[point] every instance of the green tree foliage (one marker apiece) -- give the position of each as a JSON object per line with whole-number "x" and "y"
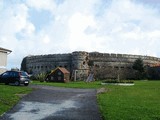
{"x": 90, "y": 63}
{"x": 153, "y": 73}
{"x": 41, "y": 77}
{"x": 138, "y": 66}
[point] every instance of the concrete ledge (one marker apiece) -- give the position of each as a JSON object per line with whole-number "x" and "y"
{"x": 122, "y": 84}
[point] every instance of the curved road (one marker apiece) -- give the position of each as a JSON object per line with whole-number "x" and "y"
{"x": 54, "y": 103}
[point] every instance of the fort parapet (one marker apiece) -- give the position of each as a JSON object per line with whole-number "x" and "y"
{"x": 105, "y": 65}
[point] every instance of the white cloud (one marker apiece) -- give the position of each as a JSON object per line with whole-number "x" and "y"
{"x": 78, "y": 23}
{"x": 41, "y": 4}
{"x": 46, "y": 39}
{"x": 124, "y": 26}
{"x": 128, "y": 25}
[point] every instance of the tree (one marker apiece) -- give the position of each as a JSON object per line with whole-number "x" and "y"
{"x": 138, "y": 65}
{"x": 153, "y": 73}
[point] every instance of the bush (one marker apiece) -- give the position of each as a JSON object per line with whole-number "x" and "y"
{"x": 41, "y": 77}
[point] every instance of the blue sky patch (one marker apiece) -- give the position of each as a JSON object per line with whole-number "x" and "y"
{"x": 58, "y": 2}
{"x": 40, "y": 18}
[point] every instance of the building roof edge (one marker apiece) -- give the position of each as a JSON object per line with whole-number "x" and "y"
{"x": 5, "y": 50}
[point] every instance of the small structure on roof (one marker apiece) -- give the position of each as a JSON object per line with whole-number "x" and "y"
{"x": 59, "y": 74}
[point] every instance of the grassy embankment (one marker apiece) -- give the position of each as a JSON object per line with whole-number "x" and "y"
{"x": 138, "y": 102}
{"x": 10, "y": 95}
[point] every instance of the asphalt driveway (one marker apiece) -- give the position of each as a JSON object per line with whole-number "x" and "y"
{"x": 54, "y": 103}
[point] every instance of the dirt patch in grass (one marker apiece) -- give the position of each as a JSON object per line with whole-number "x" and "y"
{"x": 102, "y": 90}
{"x": 20, "y": 95}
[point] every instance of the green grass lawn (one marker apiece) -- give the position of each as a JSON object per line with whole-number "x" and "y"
{"x": 138, "y": 102}
{"x": 9, "y": 96}
{"x": 78, "y": 84}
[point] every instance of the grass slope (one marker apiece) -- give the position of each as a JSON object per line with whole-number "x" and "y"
{"x": 9, "y": 97}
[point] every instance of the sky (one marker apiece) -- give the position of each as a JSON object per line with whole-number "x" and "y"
{"x": 39, "y": 27}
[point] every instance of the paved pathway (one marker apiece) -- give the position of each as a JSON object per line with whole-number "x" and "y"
{"x": 54, "y": 103}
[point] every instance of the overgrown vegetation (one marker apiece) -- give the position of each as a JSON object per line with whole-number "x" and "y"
{"x": 41, "y": 77}
{"x": 145, "y": 71}
{"x": 9, "y": 96}
{"x": 153, "y": 73}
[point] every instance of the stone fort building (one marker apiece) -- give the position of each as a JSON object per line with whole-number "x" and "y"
{"x": 81, "y": 63}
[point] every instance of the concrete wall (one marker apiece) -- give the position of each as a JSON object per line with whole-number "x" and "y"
{"x": 3, "y": 58}
{"x": 46, "y": 63}
{"x": 3, "y": 61}
{"x": 112, "y": 66}
{"x": 105, "y": 65}
{"x": 80, "y": 65}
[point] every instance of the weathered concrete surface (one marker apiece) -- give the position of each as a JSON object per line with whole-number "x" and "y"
{"x": 106, "y": 66}
{"x": 53, "y": 103}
